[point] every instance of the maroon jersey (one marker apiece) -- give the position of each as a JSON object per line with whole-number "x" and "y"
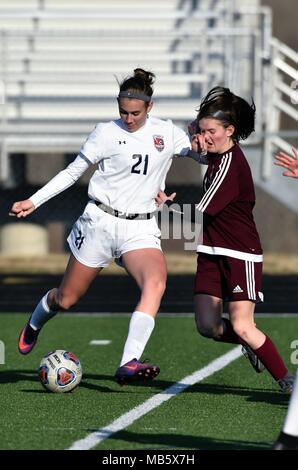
{"x": 229, "y": 197}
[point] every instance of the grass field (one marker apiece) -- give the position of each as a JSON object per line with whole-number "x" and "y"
{"x": 233, "y": 408}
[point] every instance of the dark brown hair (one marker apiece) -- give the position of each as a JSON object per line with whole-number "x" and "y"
{"x": 140, "y": 82}
{"x": 220, "y": 103}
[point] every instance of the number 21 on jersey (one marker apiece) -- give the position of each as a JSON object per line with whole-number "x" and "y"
{"x": 141, "y": 165}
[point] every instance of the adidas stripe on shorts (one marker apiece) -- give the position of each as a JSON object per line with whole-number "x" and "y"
{"x": 229, "y": 278}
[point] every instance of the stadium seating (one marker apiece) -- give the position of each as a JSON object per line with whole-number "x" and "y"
{"x": 60, "y": 61}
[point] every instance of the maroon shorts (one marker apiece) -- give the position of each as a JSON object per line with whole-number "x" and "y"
{"x": 229, "y": 278}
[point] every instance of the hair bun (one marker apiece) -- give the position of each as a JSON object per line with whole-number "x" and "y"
{"x": 148, "y": 77}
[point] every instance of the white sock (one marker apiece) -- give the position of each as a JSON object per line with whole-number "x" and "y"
{"x": 291, "y": 422}
{"x": 41, "y": 314}
{"x": 140, "y": 328}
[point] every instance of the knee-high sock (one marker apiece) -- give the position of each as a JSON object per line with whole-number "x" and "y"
{"x": 41, "y": 314}
{"x": 140, "y": 328}
{"x": 270, "y": 357}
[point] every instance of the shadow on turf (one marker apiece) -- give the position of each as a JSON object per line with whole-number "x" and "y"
{"x": 14, "y": 376}
{"x": 273, "y": 396}
{"x": 186, "y": 442}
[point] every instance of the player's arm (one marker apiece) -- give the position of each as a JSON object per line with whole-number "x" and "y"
{"x": 189, "y": 145}
{"x": 223, "y": 189}
{"x": 290, "y": 163}
{"x": 198, "y": 151}
{"x": 199, "y": 157}
{"x": 56, "y": 185}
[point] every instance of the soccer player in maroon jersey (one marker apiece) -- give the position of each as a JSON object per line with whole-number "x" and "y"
{"x": 230, "y": 255}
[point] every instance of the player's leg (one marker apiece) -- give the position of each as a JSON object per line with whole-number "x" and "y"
{"x": 76, "y": 280}
{"x": 75, "y": 283}
{"x": 242, "y": 318}
{"x": 288, "y": 437}
{"x": 209, "y": 321}
{"x": 208, "y": 312}
{"x": 91, "y": 251}
{"x": 148, "y": 267}
{"x": 243, "y": 280}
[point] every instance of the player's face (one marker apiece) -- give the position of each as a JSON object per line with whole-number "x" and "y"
{"x": 133, "y": 113}
{"x": 218, "y": 139}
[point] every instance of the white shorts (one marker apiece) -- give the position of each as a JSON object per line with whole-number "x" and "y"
{"x": 97, "y": 237}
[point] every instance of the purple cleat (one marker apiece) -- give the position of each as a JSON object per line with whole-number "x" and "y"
{"x": 27, "y": 339}
{"x": 135, "y": 370}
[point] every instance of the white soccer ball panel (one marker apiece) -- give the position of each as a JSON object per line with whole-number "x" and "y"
{"x": 60, "y": 371}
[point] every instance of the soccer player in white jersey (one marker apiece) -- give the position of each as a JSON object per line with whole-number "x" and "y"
{"x": 133, "y": 154}
{"x": 288, "y": 437}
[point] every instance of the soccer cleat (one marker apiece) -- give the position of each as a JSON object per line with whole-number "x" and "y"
{"x": 27, "y": 339}
{"x": 287, "y": 383}
{"x": 135, "y": 370}
{"x": 286, "y": 442}
{"x": 253, "y": 358}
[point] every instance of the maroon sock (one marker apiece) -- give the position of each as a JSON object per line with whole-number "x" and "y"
{"x": 269, "y": 356}
{"x": 229, "y": 335}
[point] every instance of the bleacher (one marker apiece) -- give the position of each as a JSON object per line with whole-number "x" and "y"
{"x": 60, "y": 61}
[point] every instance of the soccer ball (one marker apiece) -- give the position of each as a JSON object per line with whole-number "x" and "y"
{"x": 60, "y": 371}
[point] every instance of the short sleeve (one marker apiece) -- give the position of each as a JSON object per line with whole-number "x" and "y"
{"x": 93, "y": 148}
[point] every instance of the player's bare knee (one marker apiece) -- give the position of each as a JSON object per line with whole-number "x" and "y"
{"x": 242, "y": 330}
{"x": 155, "y": 286}
{"x": 161, "y": 286}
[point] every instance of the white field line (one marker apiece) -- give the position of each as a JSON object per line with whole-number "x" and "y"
{"x": 93, "y": 439}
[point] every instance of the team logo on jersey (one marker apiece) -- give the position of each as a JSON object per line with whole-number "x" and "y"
{"x": 159, "y": 142}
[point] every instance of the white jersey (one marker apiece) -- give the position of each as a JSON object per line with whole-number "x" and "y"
{"x": 132, "y": 166}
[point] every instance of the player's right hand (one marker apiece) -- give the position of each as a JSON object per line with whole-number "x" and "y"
{"x": 22, "y": 208}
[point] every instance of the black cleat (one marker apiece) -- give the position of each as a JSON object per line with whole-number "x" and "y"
{"x": 286, "y": 442}
{"x": 287, "y": 383}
